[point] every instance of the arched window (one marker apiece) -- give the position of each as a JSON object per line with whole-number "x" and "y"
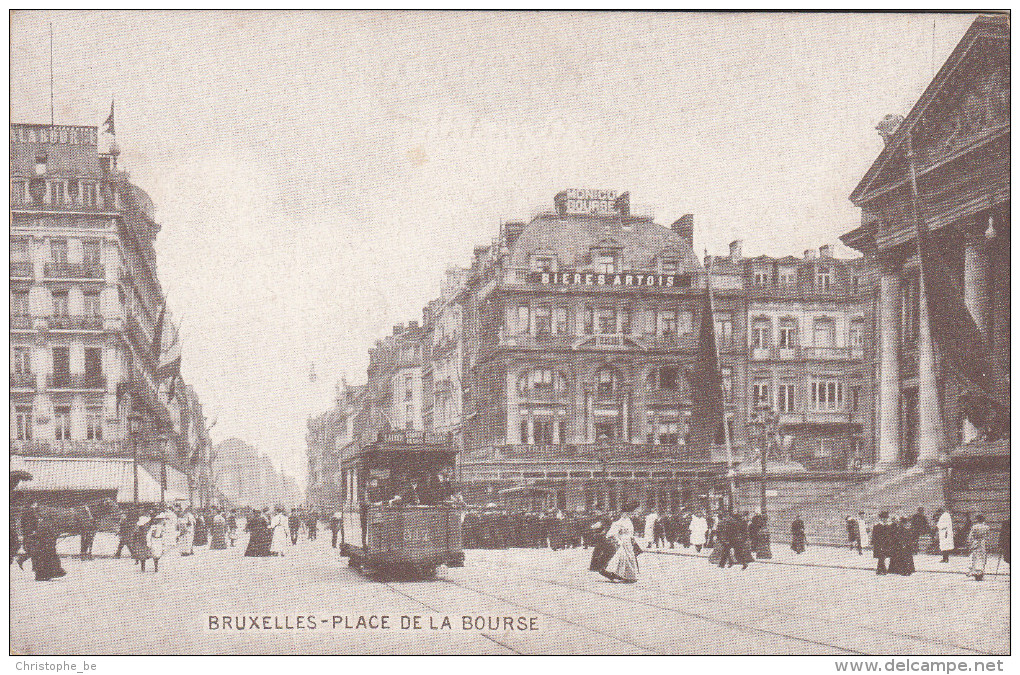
{"x": 541, "y": 381}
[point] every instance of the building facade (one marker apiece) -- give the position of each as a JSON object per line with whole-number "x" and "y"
{"x": 958, "y": 136}
{"x": 85, "y": 298}
{"x": 806, "y": 335}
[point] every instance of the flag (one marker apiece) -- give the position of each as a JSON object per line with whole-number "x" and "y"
{"x": 108, "y": 124}
{"x": 955, "y": 335}
{"x": 157, "y": 334}
{"x": 707, "y": 413}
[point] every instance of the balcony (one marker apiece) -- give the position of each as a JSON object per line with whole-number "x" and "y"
{"x": 75, "y": 323}
{"x": 22, "y": 269}
{"x": 542, "y": 341}
{"x": 829, "y": 353}
{"x": 23, "y": 381}
{"x": 59, "y": 270}
{"x": 603, "y": 455}
{"x": 86, "y": 381}
{"x": 21, "y": 322}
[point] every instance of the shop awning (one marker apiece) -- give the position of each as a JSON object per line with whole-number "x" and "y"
{"x": 102, "y": 473}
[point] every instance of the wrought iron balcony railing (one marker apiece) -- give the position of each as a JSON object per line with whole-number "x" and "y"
{"x": 59, "y": 270}
{"x": 23, "y": 381}
{"x": 76, "y": 381}
{"x": 22, "y": 269}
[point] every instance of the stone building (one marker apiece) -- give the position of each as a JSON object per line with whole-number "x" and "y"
{"x": 806, "y": 336}
{"x": 84, "y": 298}
{"x": 959, "y": 132}
{"x": 582, "y": 330}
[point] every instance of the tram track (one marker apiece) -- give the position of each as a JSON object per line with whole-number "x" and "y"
{"x": 437, "y": 610}
{"x": 740, "y": 626}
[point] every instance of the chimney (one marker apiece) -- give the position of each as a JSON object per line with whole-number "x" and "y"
{"x": 684, "y": 229}
{"x": 810, "y": 254}
{"x": 736, "y": 250}
{"x": 511, "y": 231}
{"x": 825, "y": 251}
{"x": 411, "y": 325}
{"x": 398, "y": 329}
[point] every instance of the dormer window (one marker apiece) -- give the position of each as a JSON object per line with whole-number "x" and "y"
{"x": 543, "y": 263}
{"x": 823, "y": 278}
{"x": 788, "y": 276}
{"x": 761, "y": 277}
{"x": 605, "y": 262}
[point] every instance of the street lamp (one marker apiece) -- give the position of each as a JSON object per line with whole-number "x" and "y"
{"x": 134, "y": 422}
{"x": 766, "y": 421}
{"x": 162, "y": 438}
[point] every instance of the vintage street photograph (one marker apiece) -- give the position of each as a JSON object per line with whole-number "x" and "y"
{"x": 510, "y": 333}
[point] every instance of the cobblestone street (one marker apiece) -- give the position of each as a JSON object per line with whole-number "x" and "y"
{"x": 681, "y": 605}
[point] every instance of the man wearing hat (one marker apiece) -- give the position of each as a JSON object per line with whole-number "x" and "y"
{"x": 881, "y": 545}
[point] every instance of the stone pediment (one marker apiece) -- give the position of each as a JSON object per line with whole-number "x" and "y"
{"x": 966, "y": 103}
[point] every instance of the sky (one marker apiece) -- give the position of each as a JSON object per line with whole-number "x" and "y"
{"x": 316, "y": 173}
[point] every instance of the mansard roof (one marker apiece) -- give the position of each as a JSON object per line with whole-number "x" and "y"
{"x": 573, "y": 239}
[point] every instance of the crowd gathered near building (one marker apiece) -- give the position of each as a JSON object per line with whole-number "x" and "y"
{"x": 564, "y": 368}
{"x": 564, "y": 358}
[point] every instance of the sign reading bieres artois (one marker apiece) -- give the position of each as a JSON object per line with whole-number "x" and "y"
{"x": 617, "y": 279}
{"x": 580, "y": 201}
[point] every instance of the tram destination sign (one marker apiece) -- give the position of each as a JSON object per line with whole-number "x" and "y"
{"x": 618, "y": 279}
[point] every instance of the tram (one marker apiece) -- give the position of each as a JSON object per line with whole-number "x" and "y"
{"x": 398, "y": 515}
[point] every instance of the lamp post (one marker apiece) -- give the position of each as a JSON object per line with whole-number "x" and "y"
{"x": 134, "y": 422}
{"x": 766, "y": 420}
{"x": 162, "y": 439}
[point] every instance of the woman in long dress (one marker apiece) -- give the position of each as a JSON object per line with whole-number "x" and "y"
{"x": 623, "y": 566}
{"x": 218, "y": 541}
{"x": 798, "y": 540}
{"x": 201, "y": 529}
{"x": 977, "y": 542}
{"x": 946, "y": 540}
{"x": 156, "y": 542}
{"x": 186, "y": 523}
{"x": 901, "y": 558}
{"x": 256, "y": 527}
{"x": 698, "y": 530}
{"x": 278, "y": 525}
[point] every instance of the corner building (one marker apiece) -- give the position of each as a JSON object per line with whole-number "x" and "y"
{"x": 84, "y": 300}
{"x": 581, "y": 333}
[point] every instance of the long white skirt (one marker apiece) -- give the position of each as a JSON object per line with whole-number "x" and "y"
{"x": 624, "y": 562}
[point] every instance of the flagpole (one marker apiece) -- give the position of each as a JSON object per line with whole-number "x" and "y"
{"x": 51, "y": 75}
{"x": 915, "y": 204}
{"x": 726, "y": 426}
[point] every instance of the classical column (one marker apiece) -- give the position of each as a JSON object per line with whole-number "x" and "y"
{"x": 929, "y": 408}
{"x": 976, "y": 296}
{"x": 889, "y": 371}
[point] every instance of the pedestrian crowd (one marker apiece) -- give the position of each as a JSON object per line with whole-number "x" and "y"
{"x": 149, "y": 534}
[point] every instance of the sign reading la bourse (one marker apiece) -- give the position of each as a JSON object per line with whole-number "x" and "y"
{"x": 618, "y": 279}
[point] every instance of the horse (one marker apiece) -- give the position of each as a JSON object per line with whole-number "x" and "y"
{"x": 80, "y": 520}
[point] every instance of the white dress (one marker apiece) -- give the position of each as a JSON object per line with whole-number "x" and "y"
{"x": 156, "y": 539}
{"x": 624, "y": 561}
{"x": 279, "y": 527}
{"x": 187, "y": 528}
{"x": 699, "y": 531}
{"x": 946, "y": 541}
{"x": 862, "y": 531}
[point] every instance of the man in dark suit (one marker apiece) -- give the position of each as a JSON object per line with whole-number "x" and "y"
{"x": 881, "y": 544}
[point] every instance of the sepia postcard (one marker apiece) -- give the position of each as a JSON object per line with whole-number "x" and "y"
{"x": 510, "y": 333}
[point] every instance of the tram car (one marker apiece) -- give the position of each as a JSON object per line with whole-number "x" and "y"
{"x": 398, "y": 515}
